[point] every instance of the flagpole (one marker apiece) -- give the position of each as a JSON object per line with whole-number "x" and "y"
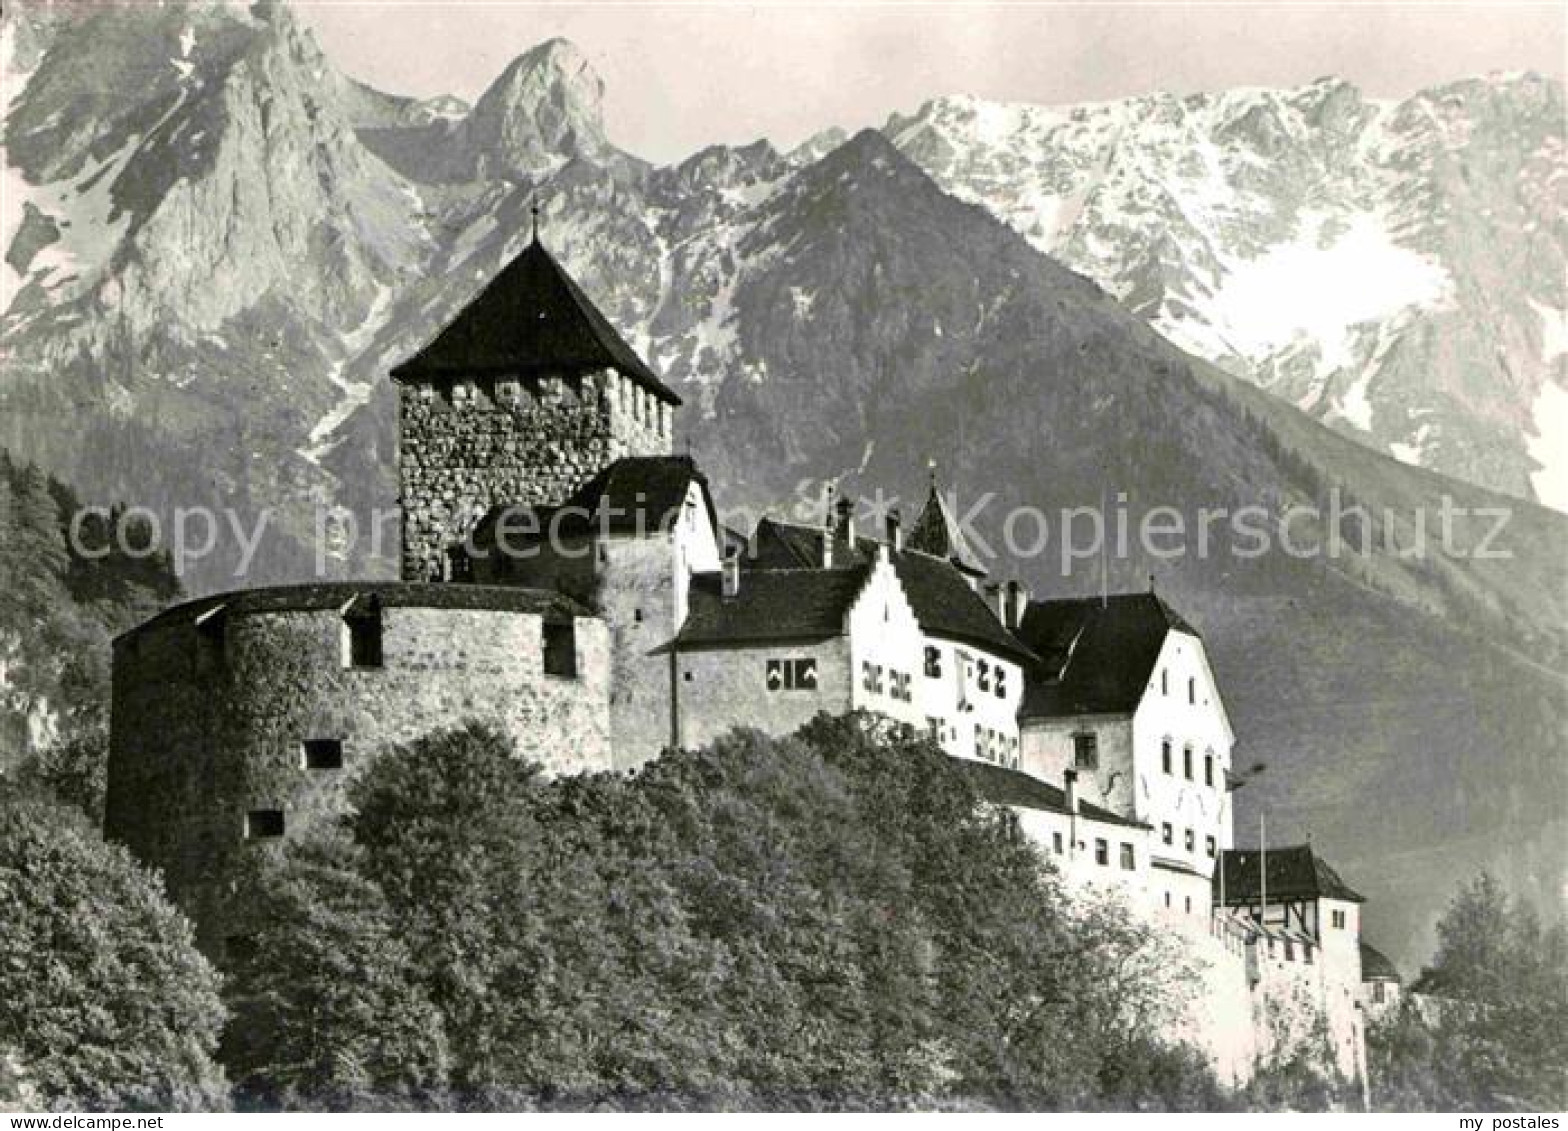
{"x": 1263, "y": 869}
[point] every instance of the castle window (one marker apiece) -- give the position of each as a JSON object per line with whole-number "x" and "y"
{"x": 933, "y": 662}
{"x": 321, "y": 754}
{"x": 983, "y": 680}
{"x": 1186, "y": 762}
{"x": 1192, "y": 690}
{"x": 1189, "y": 905}
{"x": 264, "y": 824}
{"x": 1102, "y": 852}
{"x": 1129, "y": 858}
{"x": 1208, "y": 769}
{"x": 1306, "y": 953}
{"x": 1167, "y": 899}
{"x": 560, "y": 649}
{"x": 934, "y": 728}
{"x": 792, "y": 675}
{"x": 1001, "y": 682}
{"x": 1165, "y": 755}
{"x": 1056, "y": 843}
{"x": 1209, "y": 846}
{"x": 211, "y": 641}
{"x": 1086, "y": 752}
{"x": 1290, "y": 950}
{"x": 1377, "y": 992}
{"x": 1337, "y": 920}
{"x": 1165, "y": 682}
{"x": 1191, "y": 840}
{"x": 362, "y": 634}
{"x": 1167, "y": 834}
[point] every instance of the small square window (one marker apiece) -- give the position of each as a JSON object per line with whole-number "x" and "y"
{"x": 1086, "y": 752}
{"x": 264, "y": 824}
{"x": 321, "y": 754}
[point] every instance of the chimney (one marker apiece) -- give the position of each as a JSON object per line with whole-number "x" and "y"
{"x": 846, "y": 520}
{"x": 895, "y": 531}
{"x": 732, "y": 575}
{"x": 994, "y": 598}
{"x": 1017, "y": 604}
{"x": 1070, "y": 779}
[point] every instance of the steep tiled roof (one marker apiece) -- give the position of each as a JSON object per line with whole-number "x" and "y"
{"x": 1097, "y": 657}
{"x": 942, "y": 600}
{"x": 386, "y": 594}
{"x": 937, "y": 533}
{"x": 776, "y": 605}
{"x": 1294, "y": 872}
{"x": 1375, "y": 966}
{"x": 633, "y": 495}
{"x": 1002, "y": 786}
{"x": 531, "y": 318}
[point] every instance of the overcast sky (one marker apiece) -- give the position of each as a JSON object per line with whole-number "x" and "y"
{"x": 681, "y": 76}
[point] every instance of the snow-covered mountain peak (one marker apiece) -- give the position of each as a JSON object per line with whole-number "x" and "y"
{"x": 1324, "y": 244}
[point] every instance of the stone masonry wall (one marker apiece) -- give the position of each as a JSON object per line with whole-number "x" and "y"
{"x": 468, "y": 444}
{"x": 197, "y": 744}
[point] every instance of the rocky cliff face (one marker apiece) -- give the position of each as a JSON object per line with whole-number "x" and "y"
{"x": 1394, "y": 269}
{"x": 229, "y": 244}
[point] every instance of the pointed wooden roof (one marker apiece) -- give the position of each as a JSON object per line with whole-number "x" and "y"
{"x": 531, "y": 318}
{"x": 936, "y": 533}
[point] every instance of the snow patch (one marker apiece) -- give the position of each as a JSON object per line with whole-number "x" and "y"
{"x": 1320, "y": 287}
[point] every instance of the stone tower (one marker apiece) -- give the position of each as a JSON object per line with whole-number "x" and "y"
{"x": 526, "y": 394}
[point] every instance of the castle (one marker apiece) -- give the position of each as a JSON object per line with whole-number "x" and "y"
{"x": 565, "y": 580}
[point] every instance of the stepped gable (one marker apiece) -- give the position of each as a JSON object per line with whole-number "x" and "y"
{"x": 1097, "y": 654}
{"x": 1294, "y": 872}
{"x": 1002, "y": 786}
{"x": 633, "y": 495}
{"x": 943, "y": 602}
{"x": 532, "y": 318}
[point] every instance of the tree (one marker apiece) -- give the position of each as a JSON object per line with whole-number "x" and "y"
{"x": 832, "y": 920}
{"x": 326, "y": 1008}
{"x": 103, "y": 996}
{"x": 1494, "y": 1029}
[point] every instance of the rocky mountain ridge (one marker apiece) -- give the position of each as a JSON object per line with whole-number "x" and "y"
{"x": 1393, "y": 268}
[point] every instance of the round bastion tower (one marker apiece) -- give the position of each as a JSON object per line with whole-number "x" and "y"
{"x": 238, "y": 719}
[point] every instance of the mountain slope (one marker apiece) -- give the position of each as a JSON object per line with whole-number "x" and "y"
{"x": 1394, "y": 269}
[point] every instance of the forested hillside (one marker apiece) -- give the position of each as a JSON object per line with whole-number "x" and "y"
{"x": 59, "y": 607}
